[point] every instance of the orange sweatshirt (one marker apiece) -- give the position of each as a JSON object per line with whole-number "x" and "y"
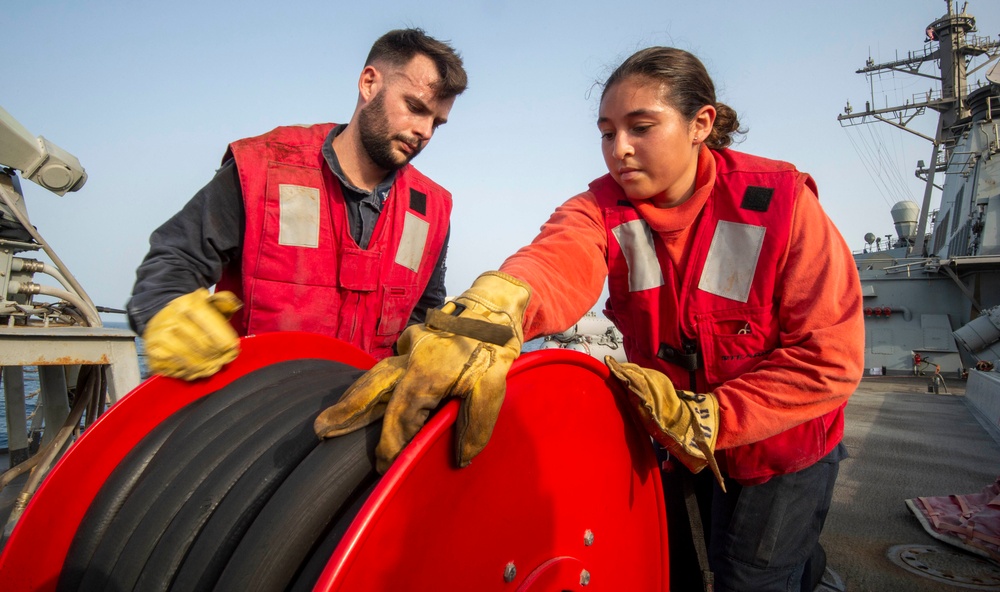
{"x": 820, "y": 310}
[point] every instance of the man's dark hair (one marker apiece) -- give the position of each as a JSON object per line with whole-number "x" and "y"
{"x": 399, "y": 46}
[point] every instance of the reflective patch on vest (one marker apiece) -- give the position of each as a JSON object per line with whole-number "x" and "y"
{"x": 732, "y": 260}
{"x": 413, "y": 241}
{"x": 636, "y": 241}
{"x": 298, "y": 217}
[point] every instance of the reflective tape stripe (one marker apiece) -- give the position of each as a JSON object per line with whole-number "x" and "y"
{"x": 412, "y": 242}
{"x": 298, "y": 216}
{"x": 636, "y": 241}
{"x": 732, "y": 260}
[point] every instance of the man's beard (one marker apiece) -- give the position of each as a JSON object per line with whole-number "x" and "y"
{"x": 376, "y": 139}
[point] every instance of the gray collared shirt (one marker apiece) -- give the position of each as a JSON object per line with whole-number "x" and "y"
{"x": 363, "y": 207}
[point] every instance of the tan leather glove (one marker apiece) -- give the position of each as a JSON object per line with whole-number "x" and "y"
{"x": 191, "y": 336}
{"x": 686, "y": 423}
{"x": 464, "y": 350}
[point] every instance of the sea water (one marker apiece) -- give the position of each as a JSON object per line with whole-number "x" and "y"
{"x": 31, "y": 386}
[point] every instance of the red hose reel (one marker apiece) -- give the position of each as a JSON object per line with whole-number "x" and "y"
{"x": 567, "y": 494}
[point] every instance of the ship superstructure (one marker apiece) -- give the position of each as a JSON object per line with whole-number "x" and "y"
{"x": 930, "y": 296}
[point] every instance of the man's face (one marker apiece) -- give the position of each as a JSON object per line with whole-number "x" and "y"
{"x": 401, "y": 116}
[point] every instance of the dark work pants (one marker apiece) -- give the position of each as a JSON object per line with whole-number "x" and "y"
{"x": 760, "y": 538}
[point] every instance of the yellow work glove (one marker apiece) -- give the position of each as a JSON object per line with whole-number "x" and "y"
{"x": 191, "y": 336}
{"x": 686, "y": 423}
{"x": 464, "y": 350}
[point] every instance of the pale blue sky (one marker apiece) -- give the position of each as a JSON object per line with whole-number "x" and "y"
{"x": 147, "y": 95}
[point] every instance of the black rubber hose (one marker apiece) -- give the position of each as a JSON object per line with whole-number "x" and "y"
{"x": 300, "y": 512}
{"x": 229, "y": 438}
{"x": 305, "y": 581}
{"x": 110, "y": 498}
{"x": 176, "y": 540}
{"x": 219, "y": 537}
{"x": 232, "y": 518}
{"x": 199, "y": 434}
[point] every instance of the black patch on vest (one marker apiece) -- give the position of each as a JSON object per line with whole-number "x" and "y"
{"x": 625, "y": 203}
{"x": 418, "y": 202}
{"x": 689, "y": 358}
{"x": 757, "y": 199}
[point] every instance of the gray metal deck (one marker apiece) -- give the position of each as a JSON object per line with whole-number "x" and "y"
{"x": 905, "y": 443}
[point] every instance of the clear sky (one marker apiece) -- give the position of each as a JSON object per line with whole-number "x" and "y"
{"x": 148, "y": 94}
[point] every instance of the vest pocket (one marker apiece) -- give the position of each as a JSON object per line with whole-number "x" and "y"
{"x": 288, "y": 230}
{"x": 735, "y": 341}
{"x": 359, "y": 269}
{"x": 397, "y": 304}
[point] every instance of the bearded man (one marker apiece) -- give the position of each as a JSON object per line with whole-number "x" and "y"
{"x": 324, "y": 228}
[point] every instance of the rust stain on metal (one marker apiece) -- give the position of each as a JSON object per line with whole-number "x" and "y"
{"x": 72, "y": 361}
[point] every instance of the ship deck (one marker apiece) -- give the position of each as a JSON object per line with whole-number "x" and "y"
{"x": 905, "y": 442}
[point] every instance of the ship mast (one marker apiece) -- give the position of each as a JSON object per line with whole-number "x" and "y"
{"x": 956, "y": 47}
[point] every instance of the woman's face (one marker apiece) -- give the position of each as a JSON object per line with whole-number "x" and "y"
{"x": 650, "y": 149}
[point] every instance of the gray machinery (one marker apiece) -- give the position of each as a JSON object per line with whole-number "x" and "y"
{"x": 47, "y": 320}
{"x": 53, "y": 168}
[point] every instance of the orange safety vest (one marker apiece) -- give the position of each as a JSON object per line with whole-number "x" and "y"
{"x": 302, "y": 271}
{"x": 716, "y": 317}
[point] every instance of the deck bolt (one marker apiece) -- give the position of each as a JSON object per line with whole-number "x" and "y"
{"x": 509, "y": 572}
{"x": 584, "y": 577}
{"x": 588, "y": 537}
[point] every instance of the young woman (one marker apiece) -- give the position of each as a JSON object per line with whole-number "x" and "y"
{"x": 726, "y": 279}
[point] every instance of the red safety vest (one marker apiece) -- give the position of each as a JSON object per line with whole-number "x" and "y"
{"x": 302, "y": 271}
{"x": 716, "y": 317}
